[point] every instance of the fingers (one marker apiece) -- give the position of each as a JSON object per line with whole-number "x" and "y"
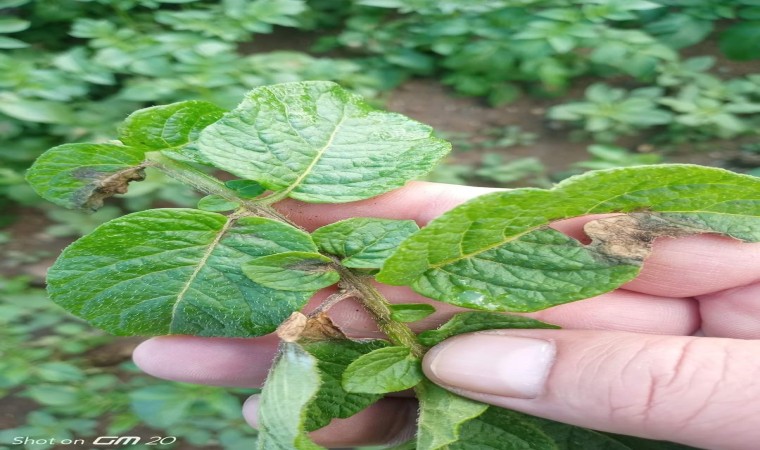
{"x": 620, "y": 310}
{"x": 420, "y": 201}
{"x": 214, "y": 361}
{"x": 245, "y": 362}
{"x": 387, "y": 422}
{"x": 696, "y": 391}
{"x": 732, "y": 313}
{"x": 697, "y": 265}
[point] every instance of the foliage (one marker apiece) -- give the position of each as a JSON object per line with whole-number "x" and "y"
{"x": 494, "y": 49}
{"x": 73, "y": 69}
{"x": 47, "y": 360}
{"x": 698, "y": 104}
{"x": 247, "y": 273}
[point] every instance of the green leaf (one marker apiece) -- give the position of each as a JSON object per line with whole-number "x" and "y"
{"x": 495, "y": 252}
{"x": 291, "y": 385}
{"x": 500, "y": 428}
{"x": 316, "y": 142}
{"x": 740, "y": 41}
{"x": 161, "y": 405}
{"x": 168, "y": 126}
{"x": 82, "y": 175}
{"x": 469, "y": 322}
{"x": 442, "y": 414}
{"x": 216, "y": 203}
{"x": 292, "y": 271}
{"x": 363, "y": 243}
{"x": 8, "y": 43}
{"x": 636, "y": 443}
{"x": 411, "y": 312}
{"x": 37, "y": 111}
{"x": 332, "y": 401}
{"x": 388, "y": 369}
{"x": 13, "y": 24}
{"x": 177, "y": 271}
{"x": 245, "y": 188}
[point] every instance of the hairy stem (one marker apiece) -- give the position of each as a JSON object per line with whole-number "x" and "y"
{"x": 378, "y": 306}
{"x": 207, "y": 184}
{"x": 354, "y": 285}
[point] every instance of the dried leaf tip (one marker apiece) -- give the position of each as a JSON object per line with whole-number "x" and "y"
{"x": 299, "y": 327}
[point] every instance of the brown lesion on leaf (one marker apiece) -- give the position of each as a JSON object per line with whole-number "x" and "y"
{"x": 102, "y": 185}
{"x": 318, "y": 327}
{"x": 628, "y": 238}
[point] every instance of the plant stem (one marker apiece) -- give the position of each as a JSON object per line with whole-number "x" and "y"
{"x": 378, "y": 306}
{"x": 207, "y": 184}
{"x": 354, "y": 284}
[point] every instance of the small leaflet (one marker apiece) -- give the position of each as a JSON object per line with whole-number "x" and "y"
{"x": 291, "y": 385}
{"x": 388, "y": 369}
{"x": 468, "y": 322}
{"x": 292, "y": 271}
{"x": 363, "y": 243}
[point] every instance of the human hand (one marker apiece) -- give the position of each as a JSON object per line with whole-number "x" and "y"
{"x": 626, "y": 361}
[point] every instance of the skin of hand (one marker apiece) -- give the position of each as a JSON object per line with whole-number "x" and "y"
{"x": 626, "y": 362}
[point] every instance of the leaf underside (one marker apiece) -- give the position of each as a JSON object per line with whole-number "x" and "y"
{"x": 291, "y": 385}
{"x": 316, "y": 142}
{"x": 497, "y": 253}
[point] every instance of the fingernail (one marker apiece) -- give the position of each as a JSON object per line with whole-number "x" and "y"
{"x": 507, "y": 366}
{"x": 251, "y": 410}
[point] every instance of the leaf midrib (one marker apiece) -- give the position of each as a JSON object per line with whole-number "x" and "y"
{"x": 201, "y": 264}
{"x": 284, "y": 193}
{"x": 517, "y": 236}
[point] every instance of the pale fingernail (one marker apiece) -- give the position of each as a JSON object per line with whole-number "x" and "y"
{"x": 508, "y": 366}
{"x": 251, "y": 410}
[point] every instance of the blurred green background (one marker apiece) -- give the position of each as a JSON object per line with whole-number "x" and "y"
{"x": 529, "y": 92}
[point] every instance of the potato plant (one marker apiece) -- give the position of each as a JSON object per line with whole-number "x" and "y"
{"x": 236, "y": 267}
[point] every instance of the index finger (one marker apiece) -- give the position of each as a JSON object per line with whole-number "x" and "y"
{"x": 420, "y": 201}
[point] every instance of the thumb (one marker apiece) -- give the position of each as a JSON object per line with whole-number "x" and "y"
{"x": 693, "y": 390}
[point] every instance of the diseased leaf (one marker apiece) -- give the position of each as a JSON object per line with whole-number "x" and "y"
{"x": 332, "y": 401}
{"x": 442, "y": 414}
{"x": 80, "y": 176}
{"x": 496, "y": 252}
{"x": 216, "y": 203}
{"x": 291, "y": 385}
{"x": 177, "y": 271}
{"x": 302, "y": 328}
{"x": 316, "y": 142}
{"x": 388, "y": 369}
{"x": 363, "y": 243}
{"x": 169, "y": 127}
{"x": 292, "y": 271}
{"x": 469, "y": 322}
{"x": 411, "y": 312}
